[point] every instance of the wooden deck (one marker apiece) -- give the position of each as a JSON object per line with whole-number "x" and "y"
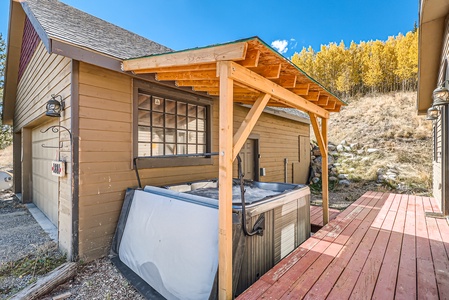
{"x": 383, "y": 246}
{"x": 316, "y": 215}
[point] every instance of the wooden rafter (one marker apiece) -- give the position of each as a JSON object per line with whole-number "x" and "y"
{"x": 323, "y": 100}
{"x": 287, "y": 81}
{"x": 256, "y": 81}
{"x": 187, "y": 68}
{"x": 197, "y": 83}
{"x": 195, "y": 75}
{"x": 252, "y": 59}
{"x": 234, "y": 52}
{"x": 269, "y": 71}
{"x": 248, "y": 123}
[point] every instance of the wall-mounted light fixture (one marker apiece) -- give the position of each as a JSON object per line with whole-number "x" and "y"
{"x": 54, "y": 107}
{"x": 441, "y": 95}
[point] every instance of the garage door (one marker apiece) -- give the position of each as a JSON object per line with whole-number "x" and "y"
{"x": 45, "y": 186}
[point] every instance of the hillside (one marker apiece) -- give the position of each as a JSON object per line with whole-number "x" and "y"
{"x": 379, "y": 142}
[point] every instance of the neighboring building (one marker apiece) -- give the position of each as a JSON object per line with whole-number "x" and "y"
{"x": 434, "y": 72}
{"x": 114, "y": 116}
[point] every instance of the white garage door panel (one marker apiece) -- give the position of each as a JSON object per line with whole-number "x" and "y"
{"x": 45, "y": 186}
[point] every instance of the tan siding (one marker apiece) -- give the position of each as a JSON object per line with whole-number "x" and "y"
{"x": 48, "y": 74}
{"x": 106, "y": 154}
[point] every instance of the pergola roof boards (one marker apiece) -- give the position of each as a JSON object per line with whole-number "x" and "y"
{"x": 249, "y": 72}
{"x": 197, "y": 68}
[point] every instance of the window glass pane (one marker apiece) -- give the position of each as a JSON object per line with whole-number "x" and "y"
{"x": 182, "y": 136}
{"x": 158, "y": 149}
{"x": 192, "y": 137}
{"x": 201, "y": 148}
{"x": 192, "y": 110}
{"x": 170, "y": 106}
{"x": 182, "y": 107}
{"x": 201, "y": 112}
{"x": 158, "y": 104}
{"x": 144, "y": 101}
{"x": 144, "y": 149}
{"x": 192, "y": 123}
{"x": 169, "y": 135}
{"x": 170, "y": 121}
{"x": 192, "y": 149}
{"x": 182, "y": 122}
{"x": 144, "y": 117}
{"x": 170, "y": 149}
{"x": 144, "y": 134}
{"x": 182, "y": 149}
{"x": 158, "y": 135}
{"x": 201, "y": 125}
{"x": 158, "y": 119}
{"x": 201, "y": 138}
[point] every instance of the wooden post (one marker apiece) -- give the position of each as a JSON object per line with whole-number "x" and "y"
{"x": 321, "y": 137}
{"x": 225, "y": 183}
{"x": 325, "y": 172}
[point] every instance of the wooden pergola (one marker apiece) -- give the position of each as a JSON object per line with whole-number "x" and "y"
{"x": 249, "y": 72}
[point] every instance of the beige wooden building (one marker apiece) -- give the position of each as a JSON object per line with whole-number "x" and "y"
{"x": 433, "y": 75}
{"x": 113, "y": 116}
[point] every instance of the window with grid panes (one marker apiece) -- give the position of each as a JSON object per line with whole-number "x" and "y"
{"x": 170, "y": 127}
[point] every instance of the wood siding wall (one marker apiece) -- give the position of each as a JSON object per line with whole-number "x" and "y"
{"x": 48, "y": 74}
{"x": 105, "y": 130}
{"x": 439, "y": 151}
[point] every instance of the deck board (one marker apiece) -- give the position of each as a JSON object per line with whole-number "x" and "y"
{"x": 316, "y": 215}
{"x": 383, "y": 246}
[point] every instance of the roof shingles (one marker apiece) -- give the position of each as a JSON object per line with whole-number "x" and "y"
{"x": 68, "y": 24}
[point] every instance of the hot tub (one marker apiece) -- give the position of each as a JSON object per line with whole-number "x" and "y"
{"x": 163, "y": 228}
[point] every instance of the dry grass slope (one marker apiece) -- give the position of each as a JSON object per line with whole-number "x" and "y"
{"x": 389, "y": 123}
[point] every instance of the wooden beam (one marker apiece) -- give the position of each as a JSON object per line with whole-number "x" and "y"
{"x": 234, "y": 51}
{"x": 248, "y": 123}
{"x": 312, "y": 96}
{"x": 196, "y": 75}
{"x": 254, "y": 80}
{"x": 197, "y": 83}
{"x": 252, "y": 59}
{"x": 225, "y": 183}
{"x": 287, "y": 81}
{"x": 269, "y": 71}
{"x": 203, "y": 67}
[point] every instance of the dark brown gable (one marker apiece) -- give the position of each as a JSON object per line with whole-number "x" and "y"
{"x": 29, "y": 44}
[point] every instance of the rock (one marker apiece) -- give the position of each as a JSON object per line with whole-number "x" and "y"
{"x": 380, "y": 178}
{"x": 315, "y": 180}
{"x": 334, "y": 170}
{"x": 351, "y": 170}
{"x": 354, "y": 146}
{"x": 371, "y": 150}
{"x": 344, "y": 182}
{"x": 333, "y": 179}
{"x": 318, "y": 175}
{"x": 360, "y": 152}
{"x": 343, "y": 142}
{"x": 331, "y": 147}
{"x": 347, "y": 149}
{"x": 333, "y": 153}
{"x": 365, "y": 159}
{"x": 337, "y": 164}
{"x": 343, "y": 176}
{"x": 316, "y": 152}
{"x": 340, "y": 148}
{"x": 312, "y": 157}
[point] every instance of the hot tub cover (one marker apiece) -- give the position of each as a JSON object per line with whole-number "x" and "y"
{"x": 167, "y": 248}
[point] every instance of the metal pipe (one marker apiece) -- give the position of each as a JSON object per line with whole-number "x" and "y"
{"x": 285, "y": 169}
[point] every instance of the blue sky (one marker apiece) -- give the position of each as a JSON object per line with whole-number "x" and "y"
{"x": 290, "y": 25}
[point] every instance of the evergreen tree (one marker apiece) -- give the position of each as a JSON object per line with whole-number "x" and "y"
{"x": 5, "y": 130}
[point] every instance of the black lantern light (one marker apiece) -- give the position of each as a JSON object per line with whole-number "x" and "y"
{"x": 54, "y": 107}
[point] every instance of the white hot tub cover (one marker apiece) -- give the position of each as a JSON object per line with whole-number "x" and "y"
{"x": 169, "y": 242}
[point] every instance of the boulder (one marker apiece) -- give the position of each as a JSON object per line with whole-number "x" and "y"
{"x": 343, "y": 176}
{"x": 372, "y": 150}
{"x": 344, "y": 182}
{"x": 340, "y": 148}
{"x": 331, "y": 147}
{"x": 333, "y": 179}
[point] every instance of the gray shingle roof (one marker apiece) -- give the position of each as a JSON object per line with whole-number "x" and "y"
{"x": 68, "y": 24}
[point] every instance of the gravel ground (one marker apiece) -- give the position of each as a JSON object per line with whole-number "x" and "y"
{"x": 97, "y": 280}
